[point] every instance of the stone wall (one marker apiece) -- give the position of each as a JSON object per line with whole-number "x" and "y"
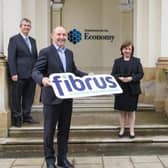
{"x": 148, "y": 86}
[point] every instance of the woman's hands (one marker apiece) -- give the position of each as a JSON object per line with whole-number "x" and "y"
{"x": 125, "y": 79}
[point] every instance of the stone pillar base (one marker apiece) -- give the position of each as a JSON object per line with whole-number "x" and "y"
{"x": 4, "y": 123}
{"x": 166, "y": 106}
{"x": 161, "y": 84}
{"x": 160, "y": 105}
{"x": 4, "y": 99}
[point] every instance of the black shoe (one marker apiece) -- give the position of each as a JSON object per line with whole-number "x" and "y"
{"x": 121, "y": 135}
{"x": 17, "y": 122}
{"x": 29, "y": 120}
{"x": 65, "y": 163}
{"x": 51, "y": 165}
{"x": 132, "y": 136}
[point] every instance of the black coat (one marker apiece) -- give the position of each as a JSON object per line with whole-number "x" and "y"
{"x": 49, "y": 62}
{"x": 20, "y": 59}
{"x": 135, "y": 70}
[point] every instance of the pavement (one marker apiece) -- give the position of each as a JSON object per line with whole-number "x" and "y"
{"x": 148, "y": 161}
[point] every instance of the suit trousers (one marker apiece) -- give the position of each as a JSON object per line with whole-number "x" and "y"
{"x": 57, "y": 115}
{"x": 23, "y": 92}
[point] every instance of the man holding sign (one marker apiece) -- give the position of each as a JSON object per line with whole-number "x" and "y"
{"x": 56, "y": 58}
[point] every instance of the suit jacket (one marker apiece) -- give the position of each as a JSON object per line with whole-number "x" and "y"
{"x": 20, "y": 59}
{"x": 49, "y": 62}
{"x": 135, "y": 70}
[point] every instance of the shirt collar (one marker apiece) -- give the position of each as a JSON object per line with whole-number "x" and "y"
{"x": 57, "y": 48}
{"x": 23, "y": 35}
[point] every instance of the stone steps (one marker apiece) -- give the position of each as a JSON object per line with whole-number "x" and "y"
{"x": 91, "y": 131}
{"x": 94, "y": 130}
{"x": 73, "y": 140}
{"x": 85, "y": 140}
{"x": 98, "y": 103}
{"x": 92, "y": 139}
{"x": 23, "y": 147}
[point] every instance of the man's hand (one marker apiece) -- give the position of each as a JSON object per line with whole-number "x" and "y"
{"x": 14, "y": 78}
{"x": 46, "y": 82}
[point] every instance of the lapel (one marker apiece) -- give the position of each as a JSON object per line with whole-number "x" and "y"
{"x": 67, "y": 60}
{"x": 121, "y": 69}
{"x": 131, "y": 66}
{"x": 32, "y": 46}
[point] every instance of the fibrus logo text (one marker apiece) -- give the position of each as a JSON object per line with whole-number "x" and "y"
{"x": 67, "y": 85}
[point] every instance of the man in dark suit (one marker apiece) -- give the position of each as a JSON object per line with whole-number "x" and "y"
{"x": 22, "y": 54}
{"x": 55, "y": 59}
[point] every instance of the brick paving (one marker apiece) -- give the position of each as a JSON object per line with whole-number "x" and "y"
{"x": 152, "y": 161}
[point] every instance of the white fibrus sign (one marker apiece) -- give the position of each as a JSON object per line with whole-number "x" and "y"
{"x": 67, "y": 85}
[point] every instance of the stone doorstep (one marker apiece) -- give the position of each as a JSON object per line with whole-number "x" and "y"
{"x": 33, "y": 141}
{"x": 93, "y": 127}
{"x": 97, "y": 105}
{"x": 101, "y": 132}
{"x": 85, "y": 118}
{"x": 90, "y": 128}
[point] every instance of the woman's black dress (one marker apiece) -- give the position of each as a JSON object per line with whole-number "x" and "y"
{"x": 126, "y": 101}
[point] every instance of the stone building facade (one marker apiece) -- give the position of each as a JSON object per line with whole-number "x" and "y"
{"x": 142, "y": 21}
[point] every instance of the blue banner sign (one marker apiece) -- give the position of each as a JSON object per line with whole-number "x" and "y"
{"x": 67, "y": 85}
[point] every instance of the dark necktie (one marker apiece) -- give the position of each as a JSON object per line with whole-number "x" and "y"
{"x": 62, "y": 57}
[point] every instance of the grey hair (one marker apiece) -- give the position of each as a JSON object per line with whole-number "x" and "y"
{"x": 26, "y": 20}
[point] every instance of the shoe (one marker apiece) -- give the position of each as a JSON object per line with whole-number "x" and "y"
{"x": 121, "y": 135}
{"x": 65, "y": 163}
{"x": 17, "y": 122}
{"x": 30, "y": 121}
{"x": 132, "y": 136}
{"x": 51, "y": 165}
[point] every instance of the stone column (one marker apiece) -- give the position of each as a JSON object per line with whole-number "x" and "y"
{"x": 164, "y": 28}
{"x": 4, "y": 110}
{"x": 10, "y": 15}
{"x": 147, "y": 31}
{"x": 153, "y": 31}
{"x": 147, "y": 43}
{"x": 162, "y": 65}
{"x": 1, "y": 28}
{"x": 140, "y": 29}
{"x": 4, "y": 103}
{"x": 154, "y": 53}
{"x": 56, "y": 14}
